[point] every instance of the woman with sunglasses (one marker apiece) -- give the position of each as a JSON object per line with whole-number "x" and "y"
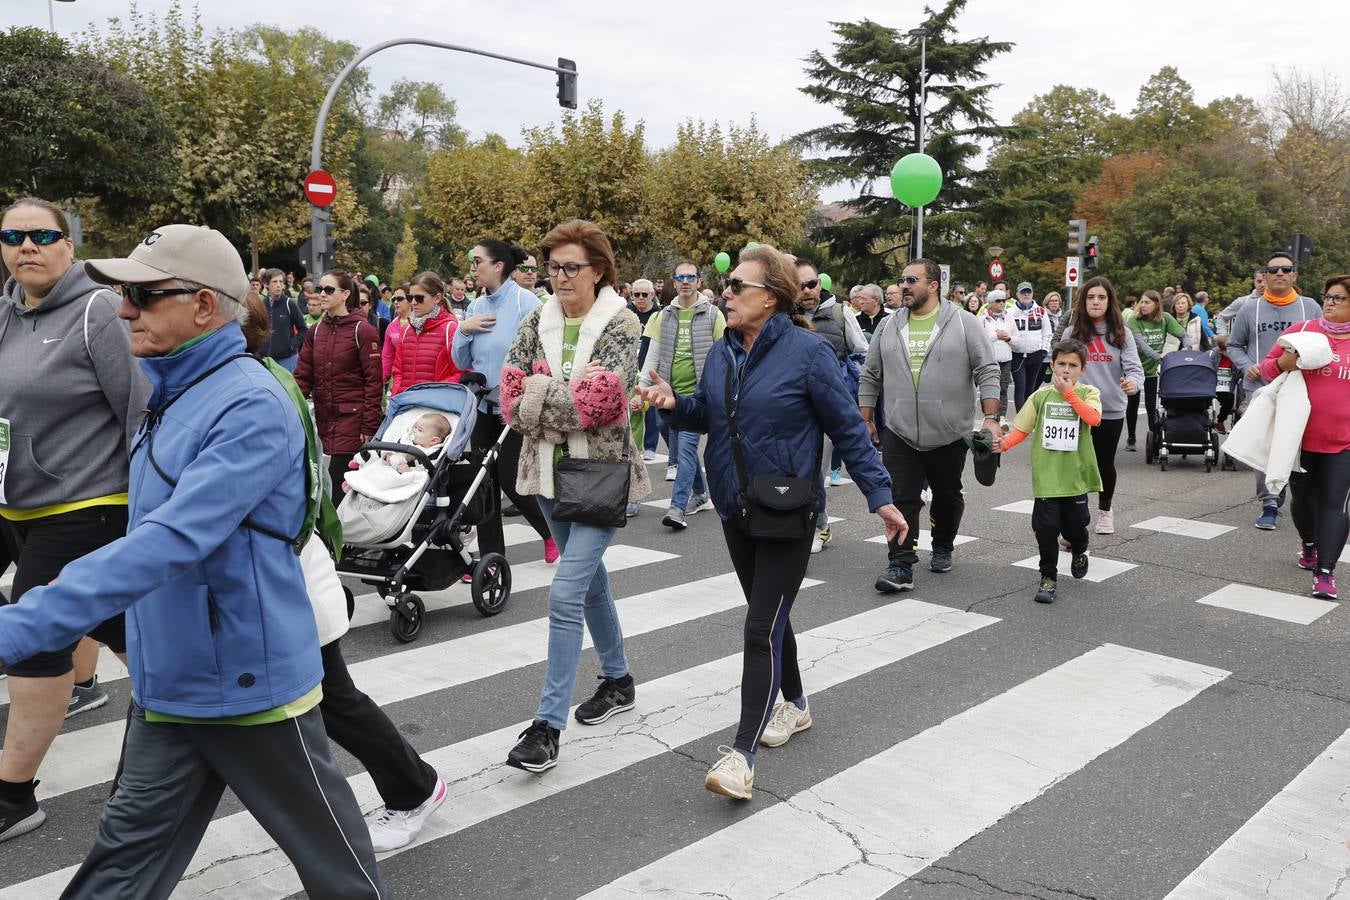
{"x": 393, "y": 335}
{"x": 424, "y": 350}
{"x": 788, "y": 392}
{"x": 480, "y": 345}
{"x": 1321, "y": 492}
{"x": 73, "y": 396}
{"x": 339, "y": 369}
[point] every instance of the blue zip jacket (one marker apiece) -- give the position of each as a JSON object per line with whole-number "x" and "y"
{"x": 218, "y": 619}
{"x": 485, "y": 351}
{"x": 789, "y": 392}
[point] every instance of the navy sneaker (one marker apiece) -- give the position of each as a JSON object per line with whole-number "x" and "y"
{"x": 896, "y": 578}
{"x": 941, "y": 560}
{"x": 1078, "y": 566}
{"x": 1269, "y": 518}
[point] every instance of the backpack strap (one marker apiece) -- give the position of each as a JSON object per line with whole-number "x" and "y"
{"x": 87, "y": 306}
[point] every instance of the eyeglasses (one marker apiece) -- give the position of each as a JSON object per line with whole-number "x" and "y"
{"x": 398, "y": 297}
{"x": 527, "y": 268}
{"x": 641, "y": 295}
{"x": 364, "y": 303}
{"x": 739, "y": 284}
{"x": 686, "y": 278}
{"x": 910, "y": 280}
{"x": 807, "y": 285}
{"x": 1335, "y": 298}
{"x": 1279, "y": 270}
{"x": 141, "y": 297}
{"x": 476, "y": 262}
{"x": 419, "y": 298}
{"x": 329, "y": 289}
{"x": 42, "y": 237}
{"x": 573, "y": 269}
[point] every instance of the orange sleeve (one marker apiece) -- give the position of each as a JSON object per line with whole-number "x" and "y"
{"x": 1013, "y": 438}
{"x": 1086, "y": 412}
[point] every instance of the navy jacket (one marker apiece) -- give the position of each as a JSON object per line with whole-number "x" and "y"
{"x": 790, "y": 392}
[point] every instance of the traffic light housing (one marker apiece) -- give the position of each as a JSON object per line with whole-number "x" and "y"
{"x": 1077, "y": 237}
{"x": 567, "y": 84}
{"x": 1093, "y": 255}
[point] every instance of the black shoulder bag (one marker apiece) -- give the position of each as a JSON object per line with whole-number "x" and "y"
{"x": 593, "y": 491}
{"x": 771, "y": 507}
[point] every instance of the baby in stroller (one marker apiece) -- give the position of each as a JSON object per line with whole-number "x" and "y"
{"x": 428, "y": 432}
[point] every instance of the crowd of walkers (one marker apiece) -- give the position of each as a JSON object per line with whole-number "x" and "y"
{"x": 189, "y": 538}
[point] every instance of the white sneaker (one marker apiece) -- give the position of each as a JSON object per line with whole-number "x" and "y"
{"x": 787, "y": 720}
{"x": 670, "y": 473}
{"x": 926, "y": 496}
{"x": 1106, "y": 522}
{"x": 730, "y": 776}
{"x": 816, "y": 544}
{"x": 648, "y": 455}
{"x": 391, "y": 829}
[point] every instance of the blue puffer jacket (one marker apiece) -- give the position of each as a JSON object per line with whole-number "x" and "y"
{"x": 218, "y": 619}
{"x": 790, "y": 392}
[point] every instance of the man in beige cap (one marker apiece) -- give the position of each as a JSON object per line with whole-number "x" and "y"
{"x": 222, "y": 646}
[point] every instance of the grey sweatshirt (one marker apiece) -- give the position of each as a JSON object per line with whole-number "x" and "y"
{"x": 939, "y": 411}
{"x": 1107, "y": 364}
{"x": 1259, "y": 325}
{"x": 72, "y": 410}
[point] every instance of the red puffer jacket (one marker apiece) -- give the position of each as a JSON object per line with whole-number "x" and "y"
{"x": 426, "y": 356}
{"x": 339, "y": 368}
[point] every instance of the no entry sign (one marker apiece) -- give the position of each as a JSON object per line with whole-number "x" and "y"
{"x": 996, "y": 270}
{"x": 320, "y": 188}
{"x": 1071, "y": 271}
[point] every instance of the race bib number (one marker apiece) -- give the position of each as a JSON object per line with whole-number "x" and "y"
{"x": 1226, "y": 378}
{"x": 4, "y": 457}
{"x": 1059, "y": 427}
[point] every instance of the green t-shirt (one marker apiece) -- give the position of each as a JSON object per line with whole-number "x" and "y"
{"x": 1053, "y": 427}
{"x": 683, "y": 375}
{"x": 571, "y": 333}
{"x": 1155, "y": 335}
{"x": 920, "y": 330}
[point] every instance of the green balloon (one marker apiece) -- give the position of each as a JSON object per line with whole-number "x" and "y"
{"x": 751, "y": 245}
{"x": 722, "y": 261}
{"x": 916, "y": 179}
{"x": 468, "y": 254}
{"x": 826, "y": 282}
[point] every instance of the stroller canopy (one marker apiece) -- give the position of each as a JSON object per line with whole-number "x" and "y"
{"x": 447, "y": 398}
{"x": 1188, "y": 375}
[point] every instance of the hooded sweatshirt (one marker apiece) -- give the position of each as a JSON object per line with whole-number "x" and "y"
{"x": 73, "y": 396}
{"x": 1107, "y": 364}
{"x": 1259, "y": 325}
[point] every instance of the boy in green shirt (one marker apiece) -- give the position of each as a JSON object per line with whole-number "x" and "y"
{"x": 1059, "y": 418}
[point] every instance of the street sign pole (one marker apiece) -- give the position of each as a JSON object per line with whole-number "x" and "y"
{"x": 1073, "y": 275}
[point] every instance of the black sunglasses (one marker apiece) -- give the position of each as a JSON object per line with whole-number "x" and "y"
{"x": 141, "y": 297}
{"x": 527, "y": 268}
{"x": 1279, "y": 270}
{"x": 329, "y": 289}
{"x": 808, "y": 285}
{"x": 42, "y": 237}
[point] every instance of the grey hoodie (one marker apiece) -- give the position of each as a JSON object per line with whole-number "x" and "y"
{"x": 72, "y": 410}
{"x": 939, "y": 411}
{"x": 1259, "y": 325}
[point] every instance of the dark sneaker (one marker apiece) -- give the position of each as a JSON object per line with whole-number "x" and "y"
{"x": 1269, "y": 518}
{"x": 1078, "y": 567}
{"x": 1130, "y": 445}
{"x": 941, "y": 560}
{"x": 1047, "y": 592}
{"x": 896, "y": 578}
{"x": 1324, "y": 588}
{"x": 537, "y": 749}
{"x": 610, "y": 698}
{"x": 1307, "y": 559}
{"x": 21, "y": 819}
{"x": 83, "y": 699}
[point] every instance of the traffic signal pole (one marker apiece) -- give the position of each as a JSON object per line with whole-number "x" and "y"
{"x": 319, "y": 218}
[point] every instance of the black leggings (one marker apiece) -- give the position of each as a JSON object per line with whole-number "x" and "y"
{"x": 1150, "y": 407}
{"x": 486, "y": 428}
{"x": 1321, "y": 497}
{"x": 337, "y": 473}
{"x": 770, "y": 573}
{"x": 1105, "y": 440}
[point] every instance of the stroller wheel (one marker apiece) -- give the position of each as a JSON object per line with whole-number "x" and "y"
{"x": 1150, "y": 447}
{"x": 405, "y": 621}
{"x": 351, "y": 602}
{"x": 491, "y": 586}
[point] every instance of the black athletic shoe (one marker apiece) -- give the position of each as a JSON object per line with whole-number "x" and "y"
{"x": 610, "y": 698}
{"x": 1079, "y": 566}
{"x": 1130, "y": 445}
{"x": 537, "y": 750}
{"x": 21, "y": 818}
{"x": 1047, "y": 592}
{"x": 896, "y": 578}
{"x": 940, "y": 560}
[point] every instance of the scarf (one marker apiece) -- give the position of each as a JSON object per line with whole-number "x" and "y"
{"x": 418, "y": 321}
{"x": 1281, "y": 301}
{"x": 1340, "y": 329}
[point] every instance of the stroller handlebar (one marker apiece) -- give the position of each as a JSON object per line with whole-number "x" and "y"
{"x": 417, "y": 453}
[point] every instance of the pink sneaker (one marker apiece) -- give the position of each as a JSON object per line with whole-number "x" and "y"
{"x": 1307, "y": 559}
{"x": 551, "y": 552}
{"x": 1324, "y": 586}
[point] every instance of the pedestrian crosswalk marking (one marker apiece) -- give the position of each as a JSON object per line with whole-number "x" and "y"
{"x": 689, "y": 705}
{"x": 1021, "y": 506}
{"x": 925, "y": 540}
{"x": 88, "y": 756}
{"x": 1099, "y": 567}
{"x": 865, "y": 830}
{"x": 1205, "y": 531}
{"x": 1293, "y": 847}
{"x": 1271, "y": 604}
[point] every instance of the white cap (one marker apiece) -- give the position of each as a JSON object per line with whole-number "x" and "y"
{"x": 187, "y": 252}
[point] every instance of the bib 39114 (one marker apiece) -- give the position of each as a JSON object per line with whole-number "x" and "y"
{"x": 1059, "y": 426}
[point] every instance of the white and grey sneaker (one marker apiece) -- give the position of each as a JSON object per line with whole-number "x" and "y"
{"x": 787, "y": 720}
{"x": 394, "y": 828}
{"x": 698, "y": 503}
{"x": 670, "y": 472}
{"x": 83, "y": 699}
{"x": 674, "y": 518}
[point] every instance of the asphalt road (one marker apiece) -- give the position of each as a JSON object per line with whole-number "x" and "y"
{"x": 1124, "y": 742}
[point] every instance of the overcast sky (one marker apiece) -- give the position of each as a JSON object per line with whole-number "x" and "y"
{"x": 667, "y": 61}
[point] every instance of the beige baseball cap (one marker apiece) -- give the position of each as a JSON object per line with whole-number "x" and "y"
{"x": 190, "y": 252}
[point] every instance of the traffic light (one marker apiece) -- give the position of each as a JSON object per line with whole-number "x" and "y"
{"x": 1093, "y": 254}
{"x": 1077, "y": 236}
{"x": 567, "y": 84}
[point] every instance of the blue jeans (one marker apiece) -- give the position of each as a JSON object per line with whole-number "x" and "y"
{"x": 689, "y": 474}
{"x": 580, "y": 591}
{"x": 653, "y": 433}
{"x": 289, "y": 362}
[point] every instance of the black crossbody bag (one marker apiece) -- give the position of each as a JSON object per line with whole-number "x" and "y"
{"x": 593, "y": 491}
{"x": 771, "y": 507}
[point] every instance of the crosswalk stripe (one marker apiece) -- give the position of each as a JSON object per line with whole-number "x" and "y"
{"x": 924, "y": 542}
{"x": 370, "y": 610}
{"x": 1292, "y": 847}
{"x": 685, "y": 706}
{"x": 873, "y": 825}
{"x": 1257, "y": 601}
{"x": 88, "y": 756}
{"x": 1099, "y": 567}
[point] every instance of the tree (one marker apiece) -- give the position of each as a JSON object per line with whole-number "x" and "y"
{"x": 405, "y": 257}
{"x": 473, "y": 191}
{"x": 873, "y": 79}
{"x": 413, "y": 119}
{"x": 1166, "y": 117}
{"x": 75, "y": 129}
{"x": 710, "y": 193}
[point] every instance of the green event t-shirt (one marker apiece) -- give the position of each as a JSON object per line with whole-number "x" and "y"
{"x": 920, "y": 331}
{"x": 683, "y": 374}
{"x": 1155, "y": 335}
{"x": 1059, "y": 473}
{"x": 571, "y": 334}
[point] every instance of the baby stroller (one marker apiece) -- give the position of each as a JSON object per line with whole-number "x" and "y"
{"x": 417, "y": 543}
{"x": 1188, "y": 383}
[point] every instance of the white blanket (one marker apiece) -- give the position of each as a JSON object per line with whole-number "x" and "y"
{"x": 380, "y": 481}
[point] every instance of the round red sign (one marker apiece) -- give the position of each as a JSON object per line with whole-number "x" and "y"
{"x": 320, "y": 188}
{"x": 996, "y": 270}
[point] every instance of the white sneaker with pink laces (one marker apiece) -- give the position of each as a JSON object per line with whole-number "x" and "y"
{"x": 391, "y": 829}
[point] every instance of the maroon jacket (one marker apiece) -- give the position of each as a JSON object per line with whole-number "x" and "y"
{"x": 339, "y": 368}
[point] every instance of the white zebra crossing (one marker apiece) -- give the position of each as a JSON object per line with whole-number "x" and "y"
{"x": 889, "y": 817}
{"x": 688, "y": 705}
